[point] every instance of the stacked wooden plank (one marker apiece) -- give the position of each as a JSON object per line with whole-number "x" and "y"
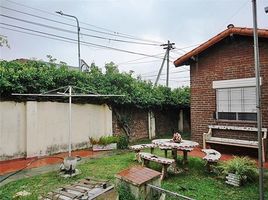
{"x": 84, "y": 189}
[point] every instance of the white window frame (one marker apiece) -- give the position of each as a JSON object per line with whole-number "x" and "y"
{"x": 230, "y": 86}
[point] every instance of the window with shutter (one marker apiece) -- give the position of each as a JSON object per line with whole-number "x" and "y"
{"x": 235, "y": 103}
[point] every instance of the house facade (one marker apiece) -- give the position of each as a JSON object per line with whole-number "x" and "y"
{"x": 222, "y": 80}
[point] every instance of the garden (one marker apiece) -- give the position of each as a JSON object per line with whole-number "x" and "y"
{"x": 193, "y": 181}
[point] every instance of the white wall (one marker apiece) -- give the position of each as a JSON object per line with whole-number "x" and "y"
{"x": 12, "y": 129}
{"x": 41, "y": 128}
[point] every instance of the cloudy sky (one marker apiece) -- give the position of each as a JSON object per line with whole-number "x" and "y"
{"x": 187, "y": 23}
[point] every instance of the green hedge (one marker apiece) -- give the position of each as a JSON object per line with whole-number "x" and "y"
{"x": 38, "y": 76}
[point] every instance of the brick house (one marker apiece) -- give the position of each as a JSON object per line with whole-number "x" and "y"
{"x": 223, "y": 83}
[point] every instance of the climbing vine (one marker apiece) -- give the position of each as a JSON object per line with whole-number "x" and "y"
{"x": 38, "y": 77}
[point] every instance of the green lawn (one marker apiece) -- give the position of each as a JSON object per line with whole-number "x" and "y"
{"x": 194, "y": 182}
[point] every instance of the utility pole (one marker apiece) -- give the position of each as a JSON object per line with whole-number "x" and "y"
{"x": 168, "y": 47}
{"x": 258, "y": 98}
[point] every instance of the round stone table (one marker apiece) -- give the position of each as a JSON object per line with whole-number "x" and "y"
{"x": 185, "y": 146}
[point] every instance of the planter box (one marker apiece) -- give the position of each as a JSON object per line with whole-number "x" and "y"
{"x": 98, "y": 147}
{"x": 233, "y": 179}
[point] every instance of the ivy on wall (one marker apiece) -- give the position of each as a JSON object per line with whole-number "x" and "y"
{"x": 38, "y": 77}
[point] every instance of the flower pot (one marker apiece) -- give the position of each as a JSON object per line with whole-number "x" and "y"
{"x": 233, "y": 179}
{"x": 99, "y": 147}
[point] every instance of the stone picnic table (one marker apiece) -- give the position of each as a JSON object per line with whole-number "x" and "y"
{"x": 185, "y": 146}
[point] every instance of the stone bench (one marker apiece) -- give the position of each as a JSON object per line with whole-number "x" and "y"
{"x": 210, "y": 139}
{"x": 212, "y": 157}
{"x": 137, "y": 148}
{"x": 165, "y": 162}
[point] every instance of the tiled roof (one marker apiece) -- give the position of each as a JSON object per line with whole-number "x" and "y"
{"x": 262, "y": 33}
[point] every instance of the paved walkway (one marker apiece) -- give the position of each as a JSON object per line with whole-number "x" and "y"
{"x": 17, "y": 164}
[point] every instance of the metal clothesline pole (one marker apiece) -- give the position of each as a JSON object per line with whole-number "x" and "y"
{"x": 70, "y": 94}
{"x": 70, "y": 121}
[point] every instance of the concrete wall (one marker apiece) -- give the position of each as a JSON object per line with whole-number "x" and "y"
{"x": 41, "y": 128}
{"x": 12, "y": 130}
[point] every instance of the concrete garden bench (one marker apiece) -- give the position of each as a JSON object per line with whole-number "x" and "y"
{"x": 165, "y": 162}
{"x": 210, "y": 139}
{"x": 137, "y": 148}
{"x": 212, "y": 157}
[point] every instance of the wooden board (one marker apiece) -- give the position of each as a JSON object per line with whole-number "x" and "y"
{"x": 86, "y": 188}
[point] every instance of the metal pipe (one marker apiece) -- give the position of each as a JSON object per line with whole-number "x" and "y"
{"x": 169, "y": 192}
{"x": 258, "y": 98}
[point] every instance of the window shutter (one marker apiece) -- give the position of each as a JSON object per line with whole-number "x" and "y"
{"x": 236, "y": 99}
{"x": 222, "y": 100}
{"x": 249, "y": 99}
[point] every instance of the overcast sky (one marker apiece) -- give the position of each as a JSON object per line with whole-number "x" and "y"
{"x": 184, "y": 22}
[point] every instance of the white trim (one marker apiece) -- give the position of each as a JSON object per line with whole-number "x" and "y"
{"x": 233, "y": 83}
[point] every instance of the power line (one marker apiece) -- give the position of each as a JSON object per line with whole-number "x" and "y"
{"x": 172, "y": 68}
{"x": 83, "y": 42}
{"x": 138, "y": 59}
{"x": 62, "y": 40}
{"x": 111, "y": 32}
{"x": 134, "y": 63}
{"x": 165, "y": 74}
{"x": 68, "y": 31}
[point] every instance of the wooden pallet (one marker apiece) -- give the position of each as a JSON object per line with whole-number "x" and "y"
{"x": 88, "y": 188}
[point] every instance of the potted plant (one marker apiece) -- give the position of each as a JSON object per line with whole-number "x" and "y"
{"x": 239, "y": 170}
{"x": 104, "y": 143}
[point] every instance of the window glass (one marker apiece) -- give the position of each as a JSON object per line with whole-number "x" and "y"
{"x": 250, "y": 99}
{"x": 236, "y": 103}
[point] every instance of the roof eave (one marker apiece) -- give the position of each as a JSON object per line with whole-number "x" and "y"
{"x": 187, "y": 58}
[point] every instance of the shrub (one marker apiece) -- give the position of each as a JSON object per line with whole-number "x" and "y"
{"x": 124, "y": 192}
{"x": 244, "y": 167}
{"x": 122, "y": 142}
{"x": 104, "y": 140}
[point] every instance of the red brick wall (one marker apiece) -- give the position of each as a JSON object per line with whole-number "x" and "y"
{"x": 229, "y": 59}
{"x": 165, "y": 122}
{"x": 137, "y": 120}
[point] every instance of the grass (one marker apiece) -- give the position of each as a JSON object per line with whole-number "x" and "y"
{"x": 194, "y": 182}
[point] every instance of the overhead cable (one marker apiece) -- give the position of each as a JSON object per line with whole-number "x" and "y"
{"x": 82, "y": 42}
{"x": 111, "y": 32}
{"x": 68, "y": 31}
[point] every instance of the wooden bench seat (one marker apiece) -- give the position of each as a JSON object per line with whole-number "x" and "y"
{"x": 233, "y": 142}
{"x": 165, "y": 162}
{"x": 209, "y": 138}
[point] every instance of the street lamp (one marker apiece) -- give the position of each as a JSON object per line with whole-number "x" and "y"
{"x": 78, "y": 31}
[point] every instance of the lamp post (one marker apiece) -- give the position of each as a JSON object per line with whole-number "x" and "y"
{"x": 78, "y": 31}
